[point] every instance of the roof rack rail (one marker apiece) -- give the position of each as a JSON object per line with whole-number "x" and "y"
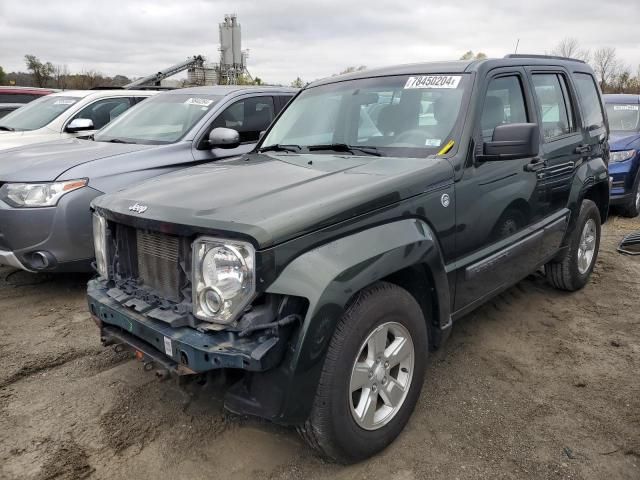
{"x": 553, "y": 57}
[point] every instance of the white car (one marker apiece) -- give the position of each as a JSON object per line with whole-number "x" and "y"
{"x": 73, "y": 113}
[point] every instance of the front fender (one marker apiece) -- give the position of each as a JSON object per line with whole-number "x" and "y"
{"x": 329, "y": 276}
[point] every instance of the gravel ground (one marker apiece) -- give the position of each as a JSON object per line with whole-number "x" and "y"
{"x": 536, "y": 384}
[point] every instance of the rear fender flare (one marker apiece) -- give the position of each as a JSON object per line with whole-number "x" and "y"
{"x": 587, "y": 176}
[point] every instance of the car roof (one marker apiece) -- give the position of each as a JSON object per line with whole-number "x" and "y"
{"x": 230, "y": 89}
{"x": 103, "y": 93}
{"x": 621, "y": 98}
{"x": 460, "y": 66}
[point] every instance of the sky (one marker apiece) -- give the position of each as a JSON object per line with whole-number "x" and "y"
{"x": 310, "y": 39}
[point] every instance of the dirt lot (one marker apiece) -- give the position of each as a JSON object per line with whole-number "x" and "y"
{"x": 537, "y": 384}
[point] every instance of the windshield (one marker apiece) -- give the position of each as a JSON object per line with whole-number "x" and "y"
{"x": 624, "y": 117}
{"x": 404, "y": 116}
{"x": 37, "y": 114}
{"x": 162, "y": 119}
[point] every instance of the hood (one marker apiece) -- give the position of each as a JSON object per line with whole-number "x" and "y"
{"x": 9, "y": 140}
{"x": 273, "y": 198}
{"x": 623, "y": 140}
{"x": 47, "y": 161}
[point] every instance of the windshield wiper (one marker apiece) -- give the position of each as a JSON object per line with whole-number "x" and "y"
{"x": 276, "y": 147}
{"x": 117, "y": 140}
{"x": 7, "y": 129}
{"x": 343, "y": 147}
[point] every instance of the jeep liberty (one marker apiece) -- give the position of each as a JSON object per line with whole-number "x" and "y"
{"x": 379, "y": 207}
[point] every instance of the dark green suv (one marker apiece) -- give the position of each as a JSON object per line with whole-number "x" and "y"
{"x": 320, "y": 269}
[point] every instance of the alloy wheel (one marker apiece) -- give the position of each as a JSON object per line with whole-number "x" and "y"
{"x": 381, "y": 375}
{"x": 587, "y": 246}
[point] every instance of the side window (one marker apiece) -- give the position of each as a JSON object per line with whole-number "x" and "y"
{"x": 554, "y": 105}
{"x": 104, "y": 111}
{"x": 249, "y": 117}
{"x": 503, "y": 104}
{"x": 589, "y": 101}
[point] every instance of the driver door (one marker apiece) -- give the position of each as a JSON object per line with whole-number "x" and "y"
{"x": 498, "y": 203}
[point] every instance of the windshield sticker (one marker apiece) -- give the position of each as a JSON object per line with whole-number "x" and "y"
{"x": 433, "y": 142}
{"x": 64, "y": 102}
{"x": 433, "y": 81}
{"x": 633, "y": 108}
{"x": 201, "y": 102}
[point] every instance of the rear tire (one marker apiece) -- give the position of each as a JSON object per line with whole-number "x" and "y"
{"x": 632, "y": 209}
{"x": 364, "y": 398}
{"x": 572, "y": 271}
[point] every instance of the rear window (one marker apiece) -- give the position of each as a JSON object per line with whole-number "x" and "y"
{"x": 589, "y": 101}
{"x": 17, "y": 97}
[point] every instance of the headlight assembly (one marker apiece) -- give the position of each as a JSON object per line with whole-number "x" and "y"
{"x": 223, "y": 278}
{"x": 27, "y": 195}
{"x": 622, "y": 155}
{"x": 100, "y": 244}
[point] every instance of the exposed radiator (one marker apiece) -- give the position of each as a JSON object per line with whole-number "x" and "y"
{"x": 158, "y": 263}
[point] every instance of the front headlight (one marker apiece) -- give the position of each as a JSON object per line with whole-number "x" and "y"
{"x": 622, "y": 155}
{"x": 223, "y": 278}
{"x": 100, "y": 244}
{"x": 38, "y": 194}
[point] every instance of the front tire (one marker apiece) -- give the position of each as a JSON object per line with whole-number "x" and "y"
{"x": 372, "y": 375}
{"x": 571, "y": 272}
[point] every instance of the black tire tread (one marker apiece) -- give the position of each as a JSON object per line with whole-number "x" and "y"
{"x": 629, "y": 210}
{"x": 558, "y": 272}
{"x": 315, "y": 429}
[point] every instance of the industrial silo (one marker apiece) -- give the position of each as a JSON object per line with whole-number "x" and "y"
{"x": 237, "y": 41}
{"x": 226, "y": 41}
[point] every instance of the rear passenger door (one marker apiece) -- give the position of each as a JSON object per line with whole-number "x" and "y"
{"x": 560, "y": 151}
{"x": 249, "y": 116}
{"x": 594, "y": 129}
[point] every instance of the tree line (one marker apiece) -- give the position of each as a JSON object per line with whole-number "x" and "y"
{"x": 46, "y": 74}
{"x": 613, "y": 74}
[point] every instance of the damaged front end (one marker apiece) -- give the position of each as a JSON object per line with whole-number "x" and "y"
{"x": 186, "y": 350}
{"x": 146, "y": 300}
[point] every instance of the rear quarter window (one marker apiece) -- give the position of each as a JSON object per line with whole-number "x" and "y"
{"x": 590, "y": 103}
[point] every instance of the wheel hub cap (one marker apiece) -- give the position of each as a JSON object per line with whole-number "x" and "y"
{"x": 587, "y": 246}
{"x": 381, "y": 375}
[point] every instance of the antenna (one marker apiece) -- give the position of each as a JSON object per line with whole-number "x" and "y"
{"x": 517, "y": 43}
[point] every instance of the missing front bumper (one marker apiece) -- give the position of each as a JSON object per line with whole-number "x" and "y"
{"x": 182, "y": 350}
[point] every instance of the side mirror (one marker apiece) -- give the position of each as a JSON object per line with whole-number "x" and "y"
{"x": 512, "y": 141}
{"x": 80, "y": 125}
{"x": 224, "y": 138}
